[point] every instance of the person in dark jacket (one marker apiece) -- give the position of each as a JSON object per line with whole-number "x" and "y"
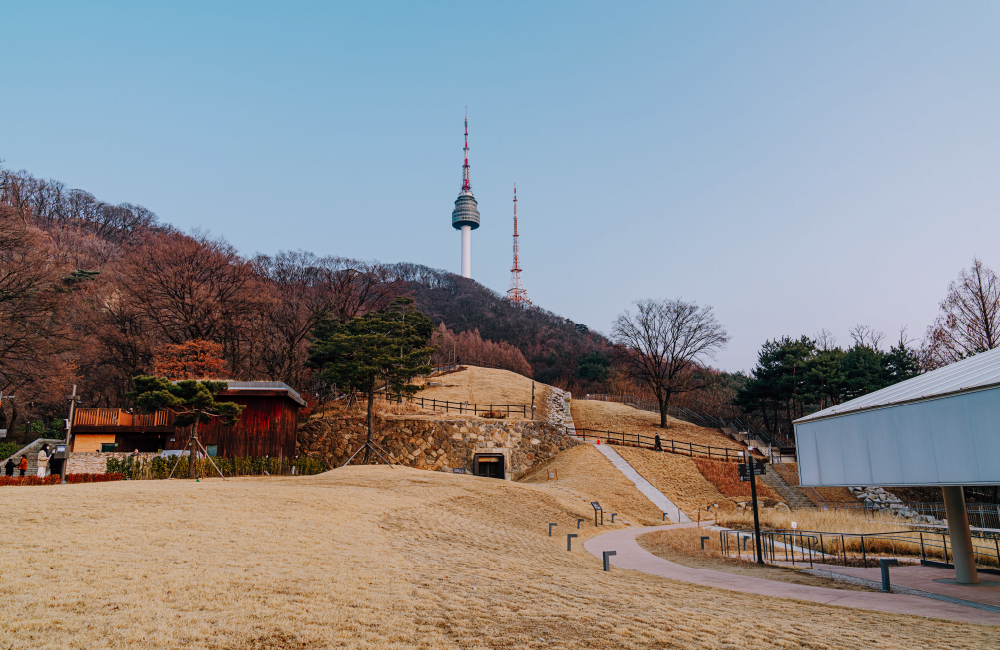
{"x": 10, "y": 466}
{"x": 656, "y": 443}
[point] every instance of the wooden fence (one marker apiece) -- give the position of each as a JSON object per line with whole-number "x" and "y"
{"x": 673, "y": 446}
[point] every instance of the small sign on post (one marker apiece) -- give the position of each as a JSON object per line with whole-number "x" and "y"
{"x": 597, "y": 509}
{"x": 458, "y": 470}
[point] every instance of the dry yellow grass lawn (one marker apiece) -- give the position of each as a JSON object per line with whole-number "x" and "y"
{"x": 485, "y": 386}
{"x": 591, "y": 475}
{"x": 609, "y": 416}
{"x": 369, "y": 557}
{"x": 675, "y": 476}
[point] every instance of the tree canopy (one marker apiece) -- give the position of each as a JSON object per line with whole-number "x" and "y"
{"x": 191, "y": 401}
{"x": 795, "y": 377}
{"x": 661, "y": 344}
{"x": 384, "y": 348}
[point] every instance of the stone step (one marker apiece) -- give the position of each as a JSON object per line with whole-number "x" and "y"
{"x": 793, "y": 496}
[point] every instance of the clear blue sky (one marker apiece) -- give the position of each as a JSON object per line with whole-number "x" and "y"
{"x": 796, "y": 165}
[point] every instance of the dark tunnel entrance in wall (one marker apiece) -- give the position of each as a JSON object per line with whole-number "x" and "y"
{"x": 488, "y": 465}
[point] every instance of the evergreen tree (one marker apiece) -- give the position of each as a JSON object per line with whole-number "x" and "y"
{"x": 191, "y": 401}
{"x": 385, "y": 348}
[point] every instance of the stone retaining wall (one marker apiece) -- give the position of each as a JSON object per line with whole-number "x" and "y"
{"x": 95, "y": 462}
{"x": 440, "y": 445}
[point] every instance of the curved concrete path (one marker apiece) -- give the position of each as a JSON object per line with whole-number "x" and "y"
{"x": 631, "y": 556}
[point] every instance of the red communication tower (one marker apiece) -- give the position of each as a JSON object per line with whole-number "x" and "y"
{"x": 516, "y": 294}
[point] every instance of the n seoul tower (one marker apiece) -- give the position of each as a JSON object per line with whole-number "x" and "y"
{"x": 465, "y": 216}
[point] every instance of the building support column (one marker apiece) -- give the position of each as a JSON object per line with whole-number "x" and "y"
{"x": 961, "y": 537}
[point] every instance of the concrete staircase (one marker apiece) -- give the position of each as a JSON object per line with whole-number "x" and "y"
{"x": 32, "y": 452}
{"x": 792, "y": 495}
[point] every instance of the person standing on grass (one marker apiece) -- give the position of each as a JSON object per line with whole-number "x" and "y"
{"x": 23, "y": 466}
{"x": 43, "y": 461}
{"x": 656, "y": 443}
{"x": 10, "y": 466}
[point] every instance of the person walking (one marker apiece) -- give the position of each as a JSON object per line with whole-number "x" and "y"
{"x": 10, "y": 466}
{"x": 656, "y": 443}
{"x": 23, "y": 465}
{"x": 43, "y": 461}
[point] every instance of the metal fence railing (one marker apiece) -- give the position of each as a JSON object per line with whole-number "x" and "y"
{"x": 857, "y": 549}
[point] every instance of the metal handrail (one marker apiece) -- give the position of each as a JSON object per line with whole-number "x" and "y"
{"x": 922, "y": 544}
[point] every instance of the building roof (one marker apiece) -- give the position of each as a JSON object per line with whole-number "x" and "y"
{"x": 972, "y": 374}
{"x": 249, "y": 386}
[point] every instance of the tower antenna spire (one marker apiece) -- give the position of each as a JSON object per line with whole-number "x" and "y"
{"x": 517, "y": 294}
{"x": 466, "y": 183}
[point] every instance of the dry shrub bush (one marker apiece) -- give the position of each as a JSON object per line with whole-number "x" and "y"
{"x": 55, "y": 479}
{"x": 725, "y": 476}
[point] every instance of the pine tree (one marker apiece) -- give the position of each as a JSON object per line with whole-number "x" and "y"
{"x": 386, "y": 348}
{"x": 191, "y": 401}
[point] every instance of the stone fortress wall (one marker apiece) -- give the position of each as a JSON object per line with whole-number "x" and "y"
{"x": 441, "y": 445}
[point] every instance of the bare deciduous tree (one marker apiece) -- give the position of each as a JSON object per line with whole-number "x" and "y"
{"x": 867, "y": 337}
{"x": 968, "y": 321}
{"x": 662, "y": 344}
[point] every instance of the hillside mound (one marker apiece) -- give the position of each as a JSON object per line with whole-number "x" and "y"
{"x": 610, "y": 416}
{"x": 590, "y": 474}
{"x": 484, "y": 387}
{"x": 676, "y": 476}
{"x": 372, "y": 557}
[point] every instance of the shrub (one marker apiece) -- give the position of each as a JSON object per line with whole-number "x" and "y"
{"x": 55, "y": 479}
{"x": 30, "y": 480}
{"x": 158, "y": 467}
{"x": 725, "y": 476}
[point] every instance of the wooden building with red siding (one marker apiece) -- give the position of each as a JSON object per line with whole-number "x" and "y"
{"x": 267, "y": 426}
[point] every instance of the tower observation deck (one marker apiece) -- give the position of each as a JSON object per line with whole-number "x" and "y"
{"x": 465, "y": 216}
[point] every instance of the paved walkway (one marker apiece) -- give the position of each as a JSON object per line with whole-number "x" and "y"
{"x": 658, "y": 498}
{"x": 924, "y": 578}
{"x": 631, "y": 556}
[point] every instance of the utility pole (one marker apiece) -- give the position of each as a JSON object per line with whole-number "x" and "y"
{"x": 73, "y": 401}
{"x": 756, "y": 516}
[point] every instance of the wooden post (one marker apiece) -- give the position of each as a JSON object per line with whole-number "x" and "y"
{"x": 69, "y": 434}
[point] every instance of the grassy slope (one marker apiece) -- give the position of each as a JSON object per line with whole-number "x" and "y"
{"x": 485, "y": 386}
{"x": 372, "y": 557}
{"x": 609, "y": 416}
{"x": 591, "y": 475}
{"x": 675, "y": 476}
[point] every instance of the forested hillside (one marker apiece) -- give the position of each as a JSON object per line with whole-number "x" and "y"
{"x": 91, "y": 292}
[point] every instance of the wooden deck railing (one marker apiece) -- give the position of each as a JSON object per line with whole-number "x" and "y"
{"x": 120, "y": 418}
